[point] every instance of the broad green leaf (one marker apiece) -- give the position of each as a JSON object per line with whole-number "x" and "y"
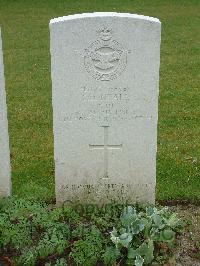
{"x": 128, "y": 216}
{"x": 155, "y": 234}
{"x": 148, "y": 226}
{"x": 158, "y": 221}
{"x": 114, "y": 232}
{"x": 142, "y": 250}
{"x": 168, "y": 235}
{"x": 149, "y": 253}
{"x": 173, "y": 221}
{"x": 125, "y": 239}
{"x": 149, "y": 211}
{"x": 137, "y": 226}
{"x": 145, "y": 250}
{"x": 139, "y": 261}
{"x": 114, "y": 237}
{"x": 122, "y": 230}
{"x": 132, "y": 253}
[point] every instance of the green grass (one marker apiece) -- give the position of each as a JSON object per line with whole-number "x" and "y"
{"x": 27, "y": 70}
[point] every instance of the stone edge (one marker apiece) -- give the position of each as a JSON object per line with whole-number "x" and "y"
{"x": 103, "y": 14}
{"x": 8, "y": 192}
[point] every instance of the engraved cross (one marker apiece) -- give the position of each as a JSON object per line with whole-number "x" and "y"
{"x": 105, "y": 147}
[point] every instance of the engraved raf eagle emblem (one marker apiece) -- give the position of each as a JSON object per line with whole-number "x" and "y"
{"x": 105, "y": 59}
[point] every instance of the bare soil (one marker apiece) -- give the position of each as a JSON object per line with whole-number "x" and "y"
{"x": 187, "y": 252}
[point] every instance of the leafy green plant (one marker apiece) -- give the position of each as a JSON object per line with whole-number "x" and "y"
{"x": 88, "y": 250}
{"x": 32, "y": 230}
{"x": 33, "y": 233}
{"x": 140, "y": 232}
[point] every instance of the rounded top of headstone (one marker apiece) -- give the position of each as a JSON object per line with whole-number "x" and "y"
{"x": 103, "y": 14}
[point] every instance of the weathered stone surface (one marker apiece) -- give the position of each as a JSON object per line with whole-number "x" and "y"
{"x": 105, "y": 79}
{"x": 5, "y": 175}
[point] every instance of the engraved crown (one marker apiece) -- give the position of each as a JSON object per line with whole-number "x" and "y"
{"x": 105, "y": 33}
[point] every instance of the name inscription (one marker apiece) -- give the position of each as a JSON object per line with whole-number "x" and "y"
{"x": 105, "y": 105}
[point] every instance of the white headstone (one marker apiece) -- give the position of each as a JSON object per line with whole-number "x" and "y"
{"x": 105, "y": 79}
{"x": 5, "y": 173}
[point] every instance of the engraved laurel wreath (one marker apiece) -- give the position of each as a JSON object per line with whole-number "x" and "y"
{"x": 105, "y": 59}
